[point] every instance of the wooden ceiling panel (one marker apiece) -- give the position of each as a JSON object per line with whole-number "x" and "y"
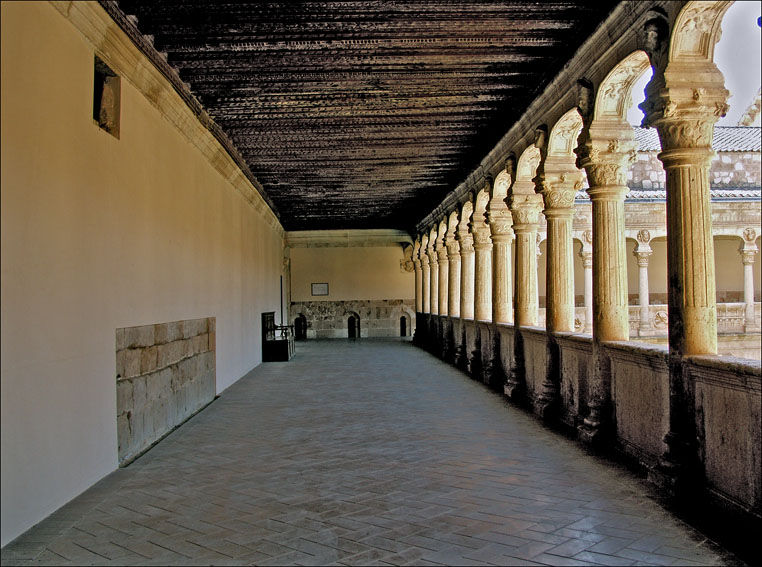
{"x": 364, "y": 114}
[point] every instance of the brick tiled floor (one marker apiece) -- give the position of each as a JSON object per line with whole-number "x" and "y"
{"x": 366, "y": 452}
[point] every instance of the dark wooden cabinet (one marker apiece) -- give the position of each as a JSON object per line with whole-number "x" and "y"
{"x": 277, "y": 340}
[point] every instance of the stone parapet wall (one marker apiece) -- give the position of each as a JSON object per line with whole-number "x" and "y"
{"x": 165, "y": 373}
{"x": 378, "y": 318}
{"x": 726, "y": 395}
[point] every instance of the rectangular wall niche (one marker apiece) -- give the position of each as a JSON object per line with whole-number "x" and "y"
{"x": 165, "y": 373}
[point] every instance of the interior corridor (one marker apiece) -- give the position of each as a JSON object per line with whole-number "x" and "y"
{"x": 364, "y": 452}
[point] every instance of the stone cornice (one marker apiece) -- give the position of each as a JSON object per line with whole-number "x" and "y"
{"x": 347, "y": 238}
{"x": 560, "y": 95}
{"x": 118, "y": 42}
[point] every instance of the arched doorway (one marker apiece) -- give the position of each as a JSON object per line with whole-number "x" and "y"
{"x": 353, "y": 327}
{"x": 403, "y": 326}
{"x": 300, "y": 327}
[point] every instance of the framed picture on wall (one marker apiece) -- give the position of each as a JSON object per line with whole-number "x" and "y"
{"x": 320, "y": 289}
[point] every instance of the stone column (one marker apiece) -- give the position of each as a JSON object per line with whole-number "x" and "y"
{"x": 525, "y": 209}
{"x": 606, "y": 155}
{"x": 748, "y": 253}
{"x": 453, "y": 286}
{"x": 558, "y": 185}
{"x": 482, "y": 273}
{"x": 444, "y": 287}
{"x": 418, "y": 285}
{"x": 434, "y": 278}
{"x": 538, "y": 238}
{"x": 683, "y": 103}
{"x": 558, "y": 193}
{"x": 643, "y": 253}
{"x": 587, "y": 264}
{"x": 425, "y": 281}
{"x": 466, "y": 241}
{"x": 501, "y": 230}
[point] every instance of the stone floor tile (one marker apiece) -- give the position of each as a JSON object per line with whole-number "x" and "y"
{"x": 365, "y": 452}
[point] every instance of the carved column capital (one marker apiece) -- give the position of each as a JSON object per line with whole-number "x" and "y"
{"x": 587, "y": 258}
{"x": 466, "y": 241}
{"x": 417, "y": 263}
{"x": 500, "y": 224}
{"x": 525, "y": 210}
{"x": 748, "y": 256}
{"x": 482, "y": 238}
{"x": 643, "y": 256}
{"x": 453, "y": 248}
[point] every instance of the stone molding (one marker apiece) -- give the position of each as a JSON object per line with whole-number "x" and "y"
{"x": 166, "y": 92}
{"x": 346, "y": 238}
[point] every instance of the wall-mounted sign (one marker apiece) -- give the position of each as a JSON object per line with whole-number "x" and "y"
{"x": 320, "y": 289}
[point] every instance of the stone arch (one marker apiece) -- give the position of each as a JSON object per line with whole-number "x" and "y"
{"x": 442, "y": 233}
{"x": 452, "y": 226}
{"x": 464, "y": 215}
{"x": 526, "y": 169}
{"x": 564, "y": 134}
{"x": 353, "y": 322}
{"x": 404, "y": 311}
{"x": 480, "y": 207}
{"x": 697, "y": 30}
{"x": 300, "y": 326}
{"x": 614, "y": 96}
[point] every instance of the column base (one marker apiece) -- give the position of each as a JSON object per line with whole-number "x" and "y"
{"x": 514, "y": 386}
{"x": 594, "y": 433}
{"x": 674, "y": 472}
{"x": 546, "y": 408}
{"x": 475, "y": 364}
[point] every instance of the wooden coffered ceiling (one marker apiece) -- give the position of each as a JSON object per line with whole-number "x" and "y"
{"x": 363, "y": 114}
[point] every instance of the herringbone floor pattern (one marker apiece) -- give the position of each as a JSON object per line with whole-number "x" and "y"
{"x": 358, "y": 453}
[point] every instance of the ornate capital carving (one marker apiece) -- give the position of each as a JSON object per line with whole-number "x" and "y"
{"x": 453, "y": 248}
{"x": 482, "y": 237}
{"x": 587, "y": 258}
{"x": 525, "y": 210}
{"x": 466, "y": 241}
{"x": 748, "y": 256}
{"x": 561, "y": 198}
{"x": 643, "y": 256}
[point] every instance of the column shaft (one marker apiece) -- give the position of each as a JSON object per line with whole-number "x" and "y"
{"x": 418, "y": 286}
{"x": 434, "y": 283}
{"x": 526, "y": 276}
{"x": 467, "y": 262}
{"x": 610, "y": 308}
{"x": 587, "y": 264}
{"x": 502, "y": 302}
{"x": 690, "y": 253}
{"x": 482, "y": 279}
{"x": 426, "y": 283}
{"x": 453, "y": 287}
{"x": 444, "y": 287}
{"x": 559, "y": 300}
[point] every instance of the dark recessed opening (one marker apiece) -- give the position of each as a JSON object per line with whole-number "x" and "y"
{"x": 106, "y": 98}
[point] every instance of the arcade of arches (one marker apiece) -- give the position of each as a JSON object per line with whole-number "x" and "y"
{"x": 143, "y": 245}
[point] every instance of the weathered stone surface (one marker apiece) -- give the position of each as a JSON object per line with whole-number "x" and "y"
{"x": 378, "y": 318}
{"x": 160, "y": 385}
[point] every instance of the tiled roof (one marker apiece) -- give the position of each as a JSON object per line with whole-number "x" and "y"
{"x": 726, "y": 139}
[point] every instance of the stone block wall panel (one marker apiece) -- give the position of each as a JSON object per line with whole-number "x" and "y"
{"x": 640, "y": 394}
{"x": 576, "y": 365}
{"x": 728, "y": 413}
{"x": 536, "y": 360}
{"x": 165, "y": 373}
{"x": 378, "y": 318}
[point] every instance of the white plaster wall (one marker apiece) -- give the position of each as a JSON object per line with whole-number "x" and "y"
{"x": 100, "y": 233}
{"x": 352, "y": 273}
